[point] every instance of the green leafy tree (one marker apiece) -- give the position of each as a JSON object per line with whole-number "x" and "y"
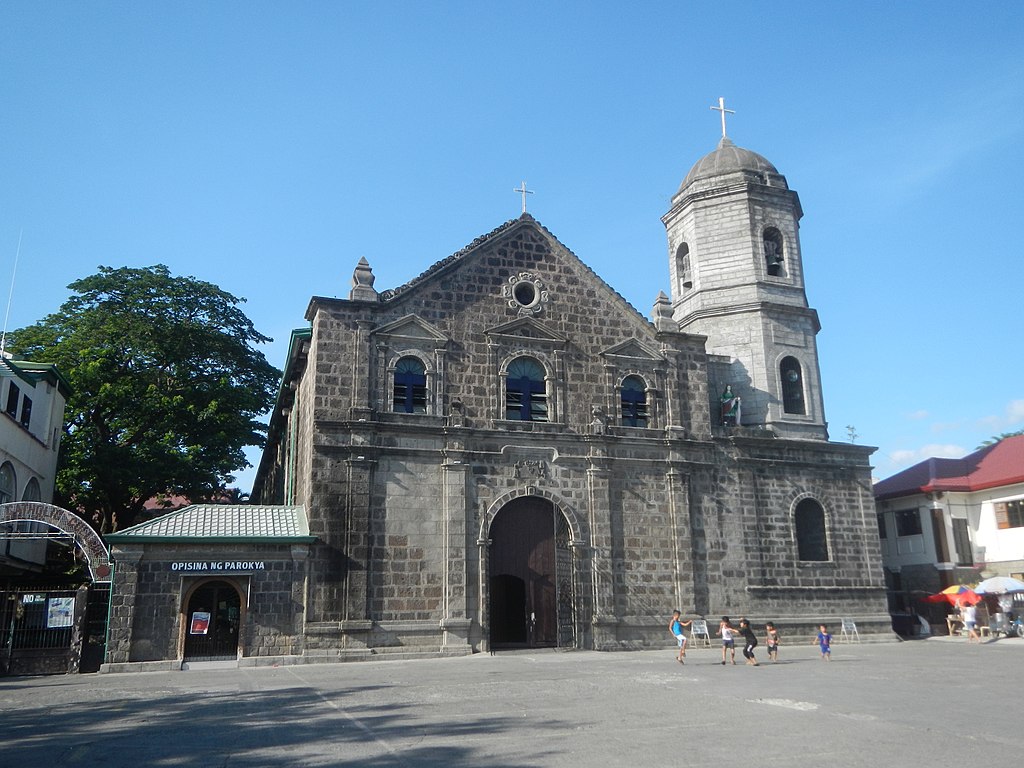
{"x": 996, "y": 438}
{"x": 167, "y": 389}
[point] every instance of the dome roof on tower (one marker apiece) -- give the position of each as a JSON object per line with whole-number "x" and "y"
{"x": 727, "y": 158}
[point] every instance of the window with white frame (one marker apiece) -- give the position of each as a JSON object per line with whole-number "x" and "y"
{"x": 908, "y": 522}
{"x": 633, "y": 395}
{"x": 1010, "y": 514}
{"x": 525, "y": 391}
{"x": 409, "y": 394}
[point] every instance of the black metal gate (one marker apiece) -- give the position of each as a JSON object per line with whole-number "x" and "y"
{"x": 213, "y": 617}
{"x": 41, "y": 630}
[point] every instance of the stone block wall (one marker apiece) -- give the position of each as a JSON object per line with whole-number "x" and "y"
{"x": 147, "y": 599}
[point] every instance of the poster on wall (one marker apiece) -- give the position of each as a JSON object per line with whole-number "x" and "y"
{"x": 200, "y": 623}
{"x": 60, "y": 612}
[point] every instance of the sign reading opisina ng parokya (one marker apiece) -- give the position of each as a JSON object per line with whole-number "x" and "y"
{"x": 210, "y": 566}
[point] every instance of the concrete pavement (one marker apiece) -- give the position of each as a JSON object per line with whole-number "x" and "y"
{"x": 876, "y": 704}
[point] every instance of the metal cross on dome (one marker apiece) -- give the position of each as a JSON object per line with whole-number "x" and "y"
{"x": 721, "y": 108}
{"x": 524, "y": 191}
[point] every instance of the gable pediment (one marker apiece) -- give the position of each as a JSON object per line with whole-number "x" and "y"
{"x": 526, "y": 329}
{"x": 634, "y": 349}
{"x": 410, "y": 327}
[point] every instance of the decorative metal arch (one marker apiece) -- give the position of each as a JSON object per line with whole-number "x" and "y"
{"x": 86, "y": 539}
{"x": 566, "y": 510}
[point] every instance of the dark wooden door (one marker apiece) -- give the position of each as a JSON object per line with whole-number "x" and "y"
{"x": 524, "y": 605}
{"x": 211, "y": 630}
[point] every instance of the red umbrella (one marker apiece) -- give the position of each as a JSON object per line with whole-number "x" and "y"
{"x": 958, "y": 593}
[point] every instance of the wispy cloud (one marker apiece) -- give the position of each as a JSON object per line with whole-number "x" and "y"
{"x": 901, "y": 458}
{"x": 1015, "y": 412}
{"x": 948, "y": 133}
{"x": 1011, "y": 419}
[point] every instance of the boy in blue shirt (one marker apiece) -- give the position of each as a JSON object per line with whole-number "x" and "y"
{"x": 675, "y": 626}
{"x": 824, "y": 641}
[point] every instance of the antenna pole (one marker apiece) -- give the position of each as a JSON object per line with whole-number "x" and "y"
{"x": 10, "y": 296}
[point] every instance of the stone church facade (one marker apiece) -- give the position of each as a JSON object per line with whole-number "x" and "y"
{"x": 505, "y": 453}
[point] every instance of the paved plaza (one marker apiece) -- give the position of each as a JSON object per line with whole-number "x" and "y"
{"x": 937, "y": 701}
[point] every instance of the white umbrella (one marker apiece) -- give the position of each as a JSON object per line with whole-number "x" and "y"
{"x": 1000, "y": 585}
{"x": 1005, "y": 587}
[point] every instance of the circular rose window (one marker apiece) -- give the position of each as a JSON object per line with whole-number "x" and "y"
{"x": 526, "y": 293}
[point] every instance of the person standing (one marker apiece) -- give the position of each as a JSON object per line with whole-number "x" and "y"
{"x": 750, "y": 642}
{"x": 970, "y": 615}
{"x": 727, "y": 630}
{"x": 824, "y": 641}
{"x": 772, "y": 641}
{"x": 675, "y": 626}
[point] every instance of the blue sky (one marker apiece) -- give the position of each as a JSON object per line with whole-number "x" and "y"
{"x": 266, "y": 147}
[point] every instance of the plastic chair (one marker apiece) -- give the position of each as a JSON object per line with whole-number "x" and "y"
{"x": 849, "y": 633}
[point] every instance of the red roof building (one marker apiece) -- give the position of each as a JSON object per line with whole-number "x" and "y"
{"x": 948, "y": 521}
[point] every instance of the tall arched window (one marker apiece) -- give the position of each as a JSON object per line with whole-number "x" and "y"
{"x": 683, "y": 268}
{"x": 32, "y": 492}
{"x": 410, "y": 389}
{"x": 8, "y": 483}
{"x": 525, "y": 391}
{"x": 792, "y": 386}
{"x": 811, "y": 539}
{"x": 634, "y": 402}
{"x": 774, "y": 256}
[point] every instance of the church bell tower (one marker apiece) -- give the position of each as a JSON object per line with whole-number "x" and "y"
{"x": 737, "y": 278}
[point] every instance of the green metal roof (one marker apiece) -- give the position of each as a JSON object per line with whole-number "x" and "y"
{"x": 224, "y": 523}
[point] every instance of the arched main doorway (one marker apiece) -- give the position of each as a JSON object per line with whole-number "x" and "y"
{"x": 530, "y": 576}
{"x": 212, "y": 618}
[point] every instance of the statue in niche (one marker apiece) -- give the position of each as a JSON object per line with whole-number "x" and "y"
{"x": 730, "y": 404}
{"x": 456, "y": 414}
{"x": 597, "y": 422}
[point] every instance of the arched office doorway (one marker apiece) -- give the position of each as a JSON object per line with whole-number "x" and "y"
{"x": 213, "y": 616}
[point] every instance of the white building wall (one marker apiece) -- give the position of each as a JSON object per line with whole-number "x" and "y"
{"x": 32, "y": 451}
{"x": 902, "y": 551}
{"x": 992, "y": 544}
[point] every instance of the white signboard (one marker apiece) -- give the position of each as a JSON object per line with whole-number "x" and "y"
{"x": 60, "y": 612}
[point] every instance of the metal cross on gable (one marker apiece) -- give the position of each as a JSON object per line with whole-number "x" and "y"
{"x": 524, "y": 192}
{"x": 721, "y": 108}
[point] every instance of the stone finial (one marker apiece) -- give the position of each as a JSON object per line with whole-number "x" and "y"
{"x": 362, "y": 282}
{"x": 663, "y": 319}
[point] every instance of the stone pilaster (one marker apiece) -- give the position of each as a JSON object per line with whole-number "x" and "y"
{"x": 356, "y": 624}
{"x": 123, "y": 595}
{"x": 602, "y": 546}
{"x": 682, "y": 546}
{"x": 361, "y": 379}
{"x": 454, "y": 621}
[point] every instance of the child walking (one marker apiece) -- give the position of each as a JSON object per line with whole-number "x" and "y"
{"x": 824, "y": 641}
{"x": 750, "y": 642}
{"x": 726, "y": 630}
{"x": 675, "y": 626}
{"x": 772, "y": 641}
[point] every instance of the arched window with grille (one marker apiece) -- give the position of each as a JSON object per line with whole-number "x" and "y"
{"x": 634, "y": 402}
{"x": 792, "y": 386}
{"x": 525, "y": 391}
{"x": 410, "y": 386}
{"x": 811, "y": 536}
